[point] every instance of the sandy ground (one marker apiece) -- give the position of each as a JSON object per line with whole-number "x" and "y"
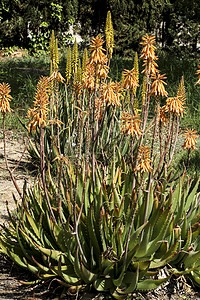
{"x": 14, "y": 148}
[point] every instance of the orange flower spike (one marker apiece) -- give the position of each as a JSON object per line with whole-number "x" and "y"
{"x": 151, "y": 65}
{"x": 103, "y": 69}
{"x": 88, "y": 78}
{"x": 157, "y": 87}
{"x": 148, "y": 52}
{"x": 174, "y": 105}
{"x": 108, "y": 94}
{"x": 144, "y": 160}
{"x": 55, "y": 122}
{"x": 99, "y": 108}
{"x": 130, "y": 79}
{"x": 96, "y": 47}
{"x": 56, "y": 76}
{"x": 162, "y": 116}
{"x": 77, "y": 89}
{"x": 198, "y": 73}
{"x": 38, "y": 115}
{"x": 118, "y": 91}
{"x": 5, "y": 97}
{"x": 190, "y": 140}
{"x": 130, "y": 124}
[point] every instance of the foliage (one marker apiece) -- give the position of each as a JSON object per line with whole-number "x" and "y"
{"x": 175, "y": 23}
{"x": 107, "y": 212}
{"x": 29, "y": 23}
{"x": 106, "y": 250}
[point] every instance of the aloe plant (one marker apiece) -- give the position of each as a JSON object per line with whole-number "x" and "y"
{"x": 106, "y": 213}
{"x": 102, "y": 241}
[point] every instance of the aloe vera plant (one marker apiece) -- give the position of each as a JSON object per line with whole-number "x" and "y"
{"x": 106, "y": 211}
{"x": 103, "y": 242}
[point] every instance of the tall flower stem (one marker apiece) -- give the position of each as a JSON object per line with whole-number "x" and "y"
{"x": 175, "y": 141}
{"x": 93, "y": 127}
{"x": 151, "y": 157}
{"x": 155, "y": 126}
{"x": 188, "y": 157}
{"x": 42, "y": 170}
{"x": 144, "y": 118}
{"x": 166, "y": 147}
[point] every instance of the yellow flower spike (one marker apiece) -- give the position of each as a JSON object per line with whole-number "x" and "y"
{"x": 130, "y": 124}
{"x": 56, "y": 62}
{"x": 38, "y": 115}
{"x": 190, "y": 140}
{"x": 75, "y": 58}
{"x": 157, "y": 87}
{"x": 54, "y": 51}
{"x": 174, "y": 105}
{"x": 144, "y": 90}
{"x": 5, "y": 97}
{"x": 143, "y": 160}
{"x": 68, "y": 65}
{"x": 136, "y": 105}
{"x": 130, "y": 79}
{"x": 52, "y": 46}
{"x": 136, "y": 69}
{"x": 109, "y": 34}
{"x": 181, "y": 91}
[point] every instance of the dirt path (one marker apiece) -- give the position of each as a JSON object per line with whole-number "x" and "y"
{"x": 14, "y": 148}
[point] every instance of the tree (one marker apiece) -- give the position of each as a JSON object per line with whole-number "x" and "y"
{"x": 174, "y": 22}
{"x": 181, "y": 26}
{"x": 23, "y": 19}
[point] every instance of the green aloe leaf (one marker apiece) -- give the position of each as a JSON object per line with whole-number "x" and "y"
{"x": 135, "y": 235}
{"x": 33, "y": 224}
{"x": 103, "y": 284}
{"x": 191, "y": 258}
{"x": 82, "y": 271}
{"x": 195, "y": 278}
{"x": 150, "y": 284}
{"x": 134, "y": 281}
{"x": 93, "y": 238}
{"x": 13, "y": 252}
{"x": 62, "y": 237}
{"x": 190, "y": 199}
{"x": 67, "y": 273}
{"x": 51, "y": 253}
{"x": 117, "y": 282}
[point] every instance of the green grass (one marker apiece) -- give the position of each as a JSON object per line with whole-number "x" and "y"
{"x": 14, "y": 121}
{"x": 23, "y": 74}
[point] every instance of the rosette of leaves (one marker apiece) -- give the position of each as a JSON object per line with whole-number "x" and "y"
{"x": 98, "y": 237}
